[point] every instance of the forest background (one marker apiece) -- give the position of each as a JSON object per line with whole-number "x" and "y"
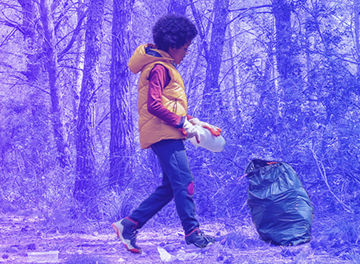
{"x": 280, "y": 77}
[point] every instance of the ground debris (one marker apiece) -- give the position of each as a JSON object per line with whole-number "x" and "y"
{"x": 163, "y": 244}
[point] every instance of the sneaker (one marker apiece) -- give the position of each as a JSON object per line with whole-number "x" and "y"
{"x": 198, "y": 238}
{"x": 126, "y": 231}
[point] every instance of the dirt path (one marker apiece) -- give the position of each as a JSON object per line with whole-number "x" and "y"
{"x": 25, "y": 239}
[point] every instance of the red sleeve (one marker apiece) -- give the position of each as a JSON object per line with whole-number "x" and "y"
{"x": 158, "y": 79}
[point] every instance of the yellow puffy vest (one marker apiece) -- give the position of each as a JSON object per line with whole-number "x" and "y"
{"x": 152, "y": 129}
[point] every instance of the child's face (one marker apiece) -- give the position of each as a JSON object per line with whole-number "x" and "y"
{"x": 179, "y": 54}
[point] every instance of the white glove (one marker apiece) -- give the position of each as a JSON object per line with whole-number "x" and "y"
{"x": 189, "y": 130}
{"x": 213, "y": 129}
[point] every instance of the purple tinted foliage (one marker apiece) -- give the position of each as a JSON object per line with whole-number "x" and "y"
{"x": 299, "y": 104}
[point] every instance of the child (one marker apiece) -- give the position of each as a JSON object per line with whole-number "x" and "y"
{"x": 163, "y": 126}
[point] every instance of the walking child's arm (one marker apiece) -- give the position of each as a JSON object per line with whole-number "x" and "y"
{"x": 158, "y": 79}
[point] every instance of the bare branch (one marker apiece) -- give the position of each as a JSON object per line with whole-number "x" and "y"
{"x": 103, "y": 119}
{"x": 73, "y": 38}
{"x": 250, "y": 8}
{"x": 8, "y": 22}
{"x": 200, "y": 27}
{"x": 322, "y": 171}
{"x": 8, "y": 36}
{"x": 245, "y": 11}
{"x": 62, "y": 15}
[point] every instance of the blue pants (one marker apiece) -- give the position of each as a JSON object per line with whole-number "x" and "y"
{"x": 177, "y": 183}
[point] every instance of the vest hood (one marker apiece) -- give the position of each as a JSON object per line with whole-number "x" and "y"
{"x": 146, "y": 54}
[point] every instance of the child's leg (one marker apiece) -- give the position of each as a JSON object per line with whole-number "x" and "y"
{"x": 157, "y": 200}
{"x": 173, "y": 160}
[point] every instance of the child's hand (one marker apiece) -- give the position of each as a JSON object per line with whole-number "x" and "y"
{"x": 189, "y": 130}
{"x": 214, "y": 130}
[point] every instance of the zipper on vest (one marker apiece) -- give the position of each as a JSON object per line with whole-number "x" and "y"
{"x": 175, "y": 106}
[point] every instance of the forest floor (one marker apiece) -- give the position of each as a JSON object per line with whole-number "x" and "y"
{"x": 25, "y": 238}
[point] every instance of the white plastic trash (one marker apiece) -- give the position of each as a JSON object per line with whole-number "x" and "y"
{"x": 44, "y": 257}
{"x": 164, "y": 255}
{"x": 208, "y": 140}
{"x": 182, "y": 255}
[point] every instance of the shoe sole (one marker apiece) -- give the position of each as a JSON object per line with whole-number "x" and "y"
{"x": 125, "y": 242}
{"x": 198, "y": 246}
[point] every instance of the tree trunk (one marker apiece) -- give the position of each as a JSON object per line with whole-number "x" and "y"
{"x": 40, "y": 130}
{"x": 30, "y": 37}
{"x": 237, "y": 102}
{"x": 212, "y": 101}
{"x": 357, "y": 33}
{"x": 122, "y": 134}
{"x": 76, "y": 86}
{"x": 195, "y": 77}
{"x": 288, "y": 67}
{"x": 52, "y": 70}
{"x": 282, "y": 14}
{"x": 85, "y": 160}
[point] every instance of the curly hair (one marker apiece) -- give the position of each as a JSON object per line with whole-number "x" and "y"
{"x": 173, "y": 31}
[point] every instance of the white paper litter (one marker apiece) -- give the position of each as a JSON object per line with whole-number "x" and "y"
{"x": 44, "y": 257}
{"x": 164, "y": 255}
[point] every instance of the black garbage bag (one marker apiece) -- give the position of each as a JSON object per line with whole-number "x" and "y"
{"x": 280, "y": 207}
